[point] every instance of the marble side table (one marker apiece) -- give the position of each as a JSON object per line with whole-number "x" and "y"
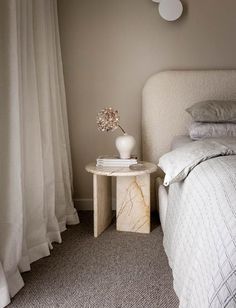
{"x": 132, "y": 197}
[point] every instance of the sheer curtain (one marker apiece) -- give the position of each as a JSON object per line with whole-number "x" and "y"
{"x": 35, "y": 163}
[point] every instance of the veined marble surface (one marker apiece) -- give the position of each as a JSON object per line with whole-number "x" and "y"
{"x": 133, "y": 204}
{"x": 121, "y": 171}
{"x": 102, "y": 203}
{"x": 132, "y": 197}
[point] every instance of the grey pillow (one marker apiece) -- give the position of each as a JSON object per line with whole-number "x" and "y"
{"x": 198, "y": 130}
{"x": 213, "y": 111}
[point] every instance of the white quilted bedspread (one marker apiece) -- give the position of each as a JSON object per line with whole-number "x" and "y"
{"x": 200, "y": 235}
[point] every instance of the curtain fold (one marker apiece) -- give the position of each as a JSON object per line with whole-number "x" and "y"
{"x": 35, "y": 162}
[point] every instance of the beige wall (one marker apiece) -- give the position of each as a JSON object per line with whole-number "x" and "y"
{"x": 109, "y": 49}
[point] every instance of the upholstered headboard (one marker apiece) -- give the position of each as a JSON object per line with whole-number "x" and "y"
{"x": 166, "y": 95}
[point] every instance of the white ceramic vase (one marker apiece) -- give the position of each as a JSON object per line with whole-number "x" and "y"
{"x": 125, "y": 145}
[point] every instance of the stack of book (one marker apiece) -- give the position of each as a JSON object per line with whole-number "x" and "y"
{"x": 115, "y": 161}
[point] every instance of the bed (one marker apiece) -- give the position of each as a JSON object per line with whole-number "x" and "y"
{"x": 198, "y": 215}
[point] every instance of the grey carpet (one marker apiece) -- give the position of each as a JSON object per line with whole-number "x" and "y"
{"x": 116, "y": 270}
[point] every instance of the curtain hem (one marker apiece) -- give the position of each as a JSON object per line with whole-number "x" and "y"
{"x": 38, "y": 252}
{"x": 72, "y": 219}
{"x": 5, "y": 299}
{"x": 15, "y": 283}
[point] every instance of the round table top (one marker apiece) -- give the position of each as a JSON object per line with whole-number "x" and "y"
{"x": 141, "y": 168}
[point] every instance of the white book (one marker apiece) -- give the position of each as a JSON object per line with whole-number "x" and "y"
{"x": 115, "y": 158}
{"x": 115, "y": 161}
{"x": 115, "y": 164}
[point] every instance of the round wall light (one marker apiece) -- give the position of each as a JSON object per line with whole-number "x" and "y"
{"x": 170, "y": 10}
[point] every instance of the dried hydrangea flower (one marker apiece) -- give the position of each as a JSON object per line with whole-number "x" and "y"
{"x": 108, "y": 120}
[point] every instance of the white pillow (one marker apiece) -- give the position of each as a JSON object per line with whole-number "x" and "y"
{"x": 198, "y": 130}
{"x": 178, "y": 163}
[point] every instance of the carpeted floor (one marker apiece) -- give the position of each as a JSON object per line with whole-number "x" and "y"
{"x": 116, "y": 270}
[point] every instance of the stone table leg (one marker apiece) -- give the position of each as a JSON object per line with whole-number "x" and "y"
{"x": 102, "y": 203}
{"x": 133, "y": 203}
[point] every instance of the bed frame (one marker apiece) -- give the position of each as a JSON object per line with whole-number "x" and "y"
{"x": 166, "y": 95}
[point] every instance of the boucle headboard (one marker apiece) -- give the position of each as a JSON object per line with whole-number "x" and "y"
{"x": 166, "y": 95}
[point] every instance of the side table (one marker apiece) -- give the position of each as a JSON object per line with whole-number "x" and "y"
{"x": 132, "y": 197}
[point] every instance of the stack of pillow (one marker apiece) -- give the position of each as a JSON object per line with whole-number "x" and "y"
{"x": 212, "y": 118}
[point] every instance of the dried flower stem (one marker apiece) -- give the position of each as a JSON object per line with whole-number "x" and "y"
{"x": 122, "y": 129}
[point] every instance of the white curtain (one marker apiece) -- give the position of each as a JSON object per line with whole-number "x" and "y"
{"x": 35, "y": 163}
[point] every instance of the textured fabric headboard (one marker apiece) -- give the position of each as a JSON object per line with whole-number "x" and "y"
{"x": 166, "y": 95}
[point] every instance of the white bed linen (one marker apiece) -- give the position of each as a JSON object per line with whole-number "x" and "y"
{"x": 178, "y": 163}
{"x": 200, "y": 235}
{"x": 162, "y": 191}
